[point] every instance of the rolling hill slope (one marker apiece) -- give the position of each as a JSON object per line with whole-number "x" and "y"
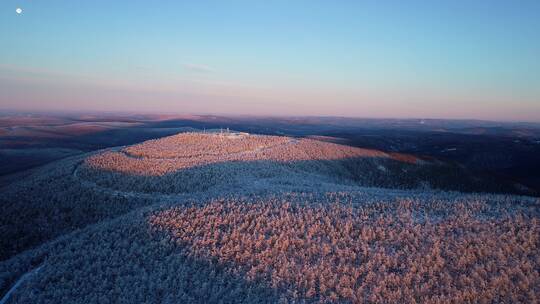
{"x": 234, "y": 217}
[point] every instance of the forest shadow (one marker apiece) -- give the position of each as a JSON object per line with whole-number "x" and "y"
{"x": 129, "y": 264}
{"x": 393, "y": 172}
{"x": 185, "y": 277}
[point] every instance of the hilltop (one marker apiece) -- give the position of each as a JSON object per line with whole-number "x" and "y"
{"x": 238, "y": 217}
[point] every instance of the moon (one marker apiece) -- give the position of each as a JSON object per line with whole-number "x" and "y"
{"x": 18, "y": 10}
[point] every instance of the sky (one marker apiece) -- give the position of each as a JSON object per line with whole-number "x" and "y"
{"x": 395, "y": 59}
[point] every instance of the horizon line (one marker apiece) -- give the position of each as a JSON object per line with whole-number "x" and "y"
{"x": 244, "y": 115}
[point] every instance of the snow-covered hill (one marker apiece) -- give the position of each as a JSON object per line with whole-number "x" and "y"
{"x": 234, "y": 217}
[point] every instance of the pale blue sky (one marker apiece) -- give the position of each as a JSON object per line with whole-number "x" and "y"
{"x": 446, "y": 59}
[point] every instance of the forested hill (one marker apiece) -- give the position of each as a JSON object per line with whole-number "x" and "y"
{"x": 235, "y": 217}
